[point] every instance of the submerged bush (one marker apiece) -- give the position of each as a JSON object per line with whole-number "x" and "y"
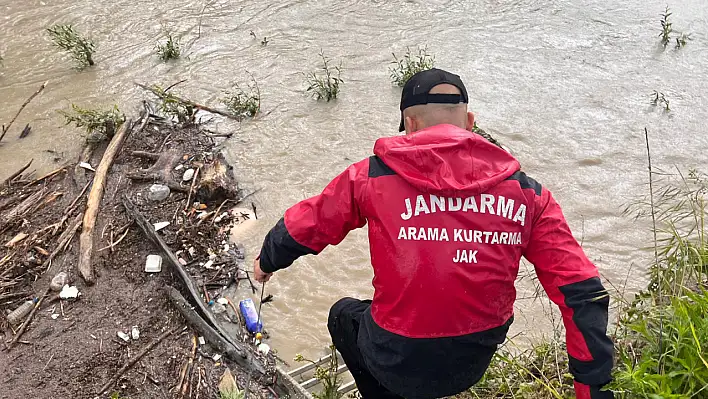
{"x": 243, "y": 103}
{"x": 170, "y": 50}
{"x": 410, "y": 64}
{"x": 68, "y": 39}
{"x": 324, "y": 82}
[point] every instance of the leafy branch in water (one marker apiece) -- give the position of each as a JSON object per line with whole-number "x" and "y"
{"x": 243, "y": 104}
{"x": 170, "y": 50}
{"x": 325, "y": 84}
{"x": 410, "y": 64}
{"x": 68, "y": 39}
{"x": 99, "y": 124}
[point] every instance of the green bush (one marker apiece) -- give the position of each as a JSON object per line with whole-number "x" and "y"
{"x": 410, "y": 64}
{"x": 99, "y": 124}
{"x": 170, "y": 50}
{"x": 68, "y": 39}
{"x": 324, "y": 83}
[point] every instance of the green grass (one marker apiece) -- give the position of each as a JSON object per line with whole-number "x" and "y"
{"x": 170, "y": 49}
{"x": 666, "y": 27}
{"x": 327, "y": 375}
{"x": 410, "y": 64}
{"x": 68, "y": 39}
{"x": 323, "y": 83}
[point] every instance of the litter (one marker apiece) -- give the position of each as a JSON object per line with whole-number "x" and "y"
{"x": 153, "y": 264}
{"x": 69, "y": 292}
{"x": 87, "y": 166}
{"x": 123, "y": 336}
{"x": 161, "y": 225}
{"x": 135, "y": 333}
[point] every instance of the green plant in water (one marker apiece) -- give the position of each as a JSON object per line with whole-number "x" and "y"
{"x": 170, "y": 50}
{"x": 99, "y": 124}
{"x": 68, "y": 39}
{"x": 242, "y": 103}
{"x": 410, "y": 64}
{"x": 660, "y": 98}
{"x": 327, "y": 376}
{"x": 666, "y": 28}
{"x": 116, "y": 395}
{"x": 171, "y": 106}
{"x": 324, "y": 83}
{"x": 682, "y": 40}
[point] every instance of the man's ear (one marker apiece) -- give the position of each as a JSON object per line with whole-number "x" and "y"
{"x": 470, "y": 122}
{"x": 410, "y": 124}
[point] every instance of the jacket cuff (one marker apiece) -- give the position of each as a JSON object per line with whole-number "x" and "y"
{"x": 583, "y": 391}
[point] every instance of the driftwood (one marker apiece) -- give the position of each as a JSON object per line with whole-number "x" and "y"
{"x": 95, "y": 196}
{"x": 6, "y": 128}
{"x": 160, "y": 171}
{"x": 163, "y": 95}
{"x": 217, "y": 181}
{"x": 137, "y": 357}
{"x": 217, "y": 341}
{"x": 14, "y": 175}
{"x": 64, "y": 239}
{"x": 21, "y": 209}
{"x": 47, "y": 176}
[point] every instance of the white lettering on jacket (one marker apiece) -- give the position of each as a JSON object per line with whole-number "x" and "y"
{"x": 486, "y": 203}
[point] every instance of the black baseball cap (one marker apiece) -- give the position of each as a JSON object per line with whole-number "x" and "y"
{"x": 416, "y": 91}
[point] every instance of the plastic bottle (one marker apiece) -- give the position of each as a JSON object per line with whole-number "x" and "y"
{"x": 18, "y": 315}
{"x": 250, "y": 315}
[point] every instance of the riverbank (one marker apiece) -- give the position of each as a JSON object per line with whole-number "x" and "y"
{"x": 168, "y": 192}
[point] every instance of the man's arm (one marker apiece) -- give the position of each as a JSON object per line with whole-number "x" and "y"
{"x": 573, "y": 283}
{"x": 311, "y": 225}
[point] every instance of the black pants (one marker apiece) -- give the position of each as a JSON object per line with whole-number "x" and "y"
{"x": 343, "y": 325}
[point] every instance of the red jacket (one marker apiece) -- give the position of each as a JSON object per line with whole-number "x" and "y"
{"x": 449, "y": 217}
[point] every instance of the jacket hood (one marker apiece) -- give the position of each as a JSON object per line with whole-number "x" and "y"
{"x": 446, "y": 159}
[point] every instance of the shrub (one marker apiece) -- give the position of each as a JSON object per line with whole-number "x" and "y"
{"x": 242, "y": 103}
{"x": 324, "y": 82}
{"x": 410, "y": 64}
{"x": 68, "y": 39}
{"x": 170, "y": 50}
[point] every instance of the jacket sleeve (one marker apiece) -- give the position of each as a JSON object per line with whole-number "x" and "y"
{"x": 572, "y": 282}
{"x": 311, "y": 225}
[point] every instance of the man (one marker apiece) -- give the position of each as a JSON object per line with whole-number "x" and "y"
{"x": 449, "y": 216}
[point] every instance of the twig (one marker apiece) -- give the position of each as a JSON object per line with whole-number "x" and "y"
{"x": 191, "y": 189}
{"x": 85, "y": 266}
{"x": 28, "y": 320}
{"x": 248, "y": 195}
{"x": 217, "y": 211}
{"x": 137, "y": 357}
{"x": 6, "y": 128}
{"x": 64, "y": 239}
{"x": 70, "y": 208}
{"x": 174, "y": 84}
{"x": 113, "y": 244}
{"x": 49, "y": 361}
{"x": 14, "y": 175}
{"x": 47, "y": 176}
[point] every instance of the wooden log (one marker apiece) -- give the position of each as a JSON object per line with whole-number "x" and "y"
{"x": 216, "y": 340}
{"x": 85, "y": 266}
{"x": 217, "y": 181}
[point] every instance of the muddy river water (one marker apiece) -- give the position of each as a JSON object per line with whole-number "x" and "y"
{"x": 565, "y": 84}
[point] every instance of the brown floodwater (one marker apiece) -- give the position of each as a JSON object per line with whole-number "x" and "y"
{"x": 564, "y": 84}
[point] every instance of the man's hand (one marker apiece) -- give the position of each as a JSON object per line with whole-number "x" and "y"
{"x": 258, "y": 274}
